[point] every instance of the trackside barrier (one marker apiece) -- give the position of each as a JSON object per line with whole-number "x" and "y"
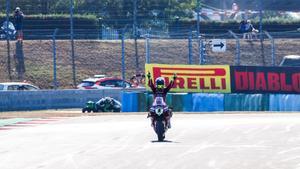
{"x": 130, "y": 102}
{"x": 52, "y": 99}
{"x": 201, "y": 102}
{"x": 207, "y": 102}
{"x": 246, "y": 102}
{"x": 284, "y": 102}
{"x": 140, "y": 101}
{"x": 177, "y": 101}
{"x": 181, "y": 102}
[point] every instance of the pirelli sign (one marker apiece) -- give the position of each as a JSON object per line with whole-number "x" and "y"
{"x": 194, "y": 78}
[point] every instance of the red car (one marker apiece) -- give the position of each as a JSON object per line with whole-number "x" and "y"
{"x": 103, "y": 83}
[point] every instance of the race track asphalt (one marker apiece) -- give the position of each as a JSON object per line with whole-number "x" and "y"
{"x": 196, "y": 141}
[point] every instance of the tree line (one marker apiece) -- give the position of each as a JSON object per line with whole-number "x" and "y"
{"x": 106, "y": 8}
{"x": 145, "y": 8}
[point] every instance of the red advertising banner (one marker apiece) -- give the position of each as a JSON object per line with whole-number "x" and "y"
{"x": 254, "y": 79}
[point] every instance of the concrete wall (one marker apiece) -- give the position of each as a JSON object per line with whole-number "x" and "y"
{"x": 52, "y": 99}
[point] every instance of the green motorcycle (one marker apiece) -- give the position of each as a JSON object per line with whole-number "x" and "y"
{"x": 105, "y": 104}
{"x": 90, "y": 107}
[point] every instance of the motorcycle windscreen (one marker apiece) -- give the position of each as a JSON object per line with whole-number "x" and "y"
{"x": 159, "y": 101}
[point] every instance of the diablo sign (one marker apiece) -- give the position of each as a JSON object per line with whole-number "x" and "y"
{"x": 252, "y": 79}
{"x": 194, "y": 78}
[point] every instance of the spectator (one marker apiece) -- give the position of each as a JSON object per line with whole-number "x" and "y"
{"x": 19, "y": 16}
{"x": 138, "y": 80}
{"x": 134, "y": 81}
{"x": 251, "y": 31}
{"x": 242, "y": 27}
{"x": 235, "y": 8}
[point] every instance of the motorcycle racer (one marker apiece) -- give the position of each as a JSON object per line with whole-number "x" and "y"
{"x": 159, "y": 90}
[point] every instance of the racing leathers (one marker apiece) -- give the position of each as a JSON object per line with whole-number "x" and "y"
{"x": 161, "y": 92}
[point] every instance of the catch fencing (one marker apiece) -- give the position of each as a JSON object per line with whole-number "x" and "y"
{"x": 48, "y": 62}
{"x": 68, "y": 41}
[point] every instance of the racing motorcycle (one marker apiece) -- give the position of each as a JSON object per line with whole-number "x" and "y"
{"x": 159, "y": 112}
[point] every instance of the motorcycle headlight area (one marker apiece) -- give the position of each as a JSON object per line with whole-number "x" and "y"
{"x": 159, "y": 111}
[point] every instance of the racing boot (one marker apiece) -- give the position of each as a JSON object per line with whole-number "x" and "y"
{"x": 152, "y": 122}
{"x": 169, "y": 124}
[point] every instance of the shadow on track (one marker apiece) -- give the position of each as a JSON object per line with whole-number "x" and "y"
{"x": 165, "y": 141}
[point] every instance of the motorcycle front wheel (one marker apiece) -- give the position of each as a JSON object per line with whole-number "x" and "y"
{"x": 160, "y": 130}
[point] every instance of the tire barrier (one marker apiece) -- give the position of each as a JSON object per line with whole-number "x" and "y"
{"x": 202, "y": 102}
{"x": 207, "y": 102}
{"x": 246, "y": 102}
{"x": 284, "y": 102}
{"x": 130, "y": 101}
{"x": 140, "y": 101}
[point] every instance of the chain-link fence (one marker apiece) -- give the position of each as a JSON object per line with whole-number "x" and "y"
{"x": 166, "y": 32}
{"x": 105, "y": 56}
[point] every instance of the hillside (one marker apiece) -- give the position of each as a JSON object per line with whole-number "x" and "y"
{"x": 104, "y": 57}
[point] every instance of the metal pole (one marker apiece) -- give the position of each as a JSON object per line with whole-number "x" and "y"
{"x": 123, "y": 58}
{"x": 202, "y": 57}
{"x": 135, "y": 35}
{"x": 190, "y": 61}
{"x": 100, "y": 28}
{"x": 272, "y": 48}
{"x": 261, "y": 31}
{"x": 198, "y": 33}
{"x": 237, "y": 52}
{"x": 198, "y": 18}
{"x": 147, "y": 48}
{"x": 260, "y": 19}
{"x": 54, "y": 58}
{"x": 72, "y": 42}
{"x": 8, "y": 39}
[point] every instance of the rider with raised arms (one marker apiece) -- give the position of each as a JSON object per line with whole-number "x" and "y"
{"x": 159, "y": 90}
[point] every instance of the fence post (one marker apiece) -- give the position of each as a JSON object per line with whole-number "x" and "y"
{"x": 237, "y": 52}
{"x": 123, "y": 58}
{"x": 54, "y": 58}
{"x": 202, "y": 53}
{"x": 8, "y": 39}
{"x": 147, "y": 47}
{"x": 72, "y": 42}
{"x": 200, "y": 50}
{"x": 137, "y": 64}
{"x": 190, "y": 61}
{"x": 272, "y": 47}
